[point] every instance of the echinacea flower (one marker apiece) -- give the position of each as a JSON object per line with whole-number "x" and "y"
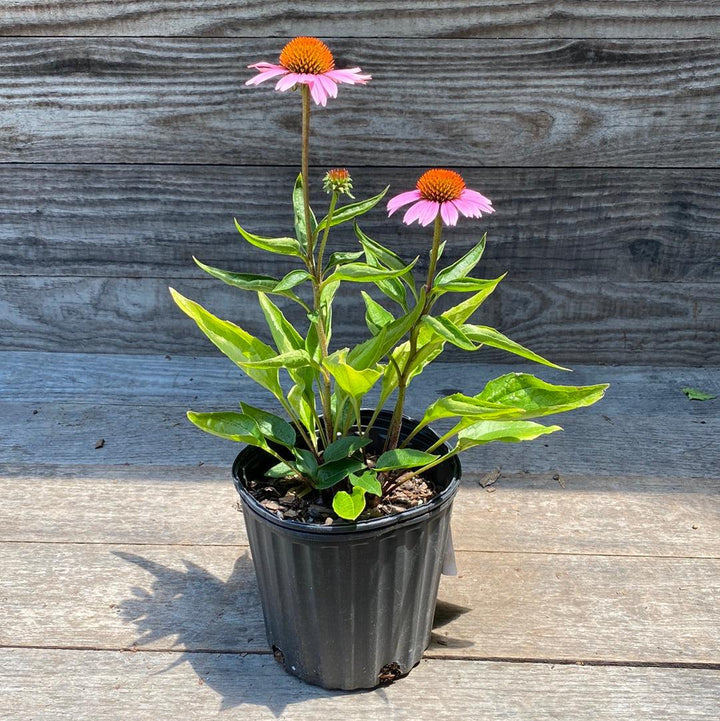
{"x": 443, "y": 192}
{"x": 338, "y": 181}
{"x": 308, "y": 61}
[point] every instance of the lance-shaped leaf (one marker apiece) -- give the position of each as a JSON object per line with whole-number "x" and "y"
{"x": 460, "y": 313}
{"x": 375, "y": 253}
{"x": 282, "y": 246}
{"x": 230, "y": 425}
{"x": 459, "y": 405}
{"x": 284, "y": 334}
{"x": 355, "y": 383}
{"x": 299, "y": 215}
{"x": 352, "y": 210}
{"x": 333, "y": 472}
{"x": 364, "y": 272}
{"x": 467, "y": 285}
{"x": 402, "y": 458}
{"x": 344, "y": 447}
{"x": 447, "y": 330}
{"x": 238, "y": 345}
{"x": 506, "y": 431}
{"x": 536, "y": 398}
{"x": 349, "y": 506}
{"x": 489, "y": 336}
{"x": 291, "y": 359}
{"x": 460, "y": 268}
{"x": 271, "y": 426}
{"x": 376, "y": 317}
{"x": 291, "y": 280}
{"x": 341, "y": 257}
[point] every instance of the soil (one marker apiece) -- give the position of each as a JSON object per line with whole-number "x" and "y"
{"x": 288, "y": 501}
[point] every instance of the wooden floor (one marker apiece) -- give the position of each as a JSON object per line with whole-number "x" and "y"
{"x": 589, "y": 572}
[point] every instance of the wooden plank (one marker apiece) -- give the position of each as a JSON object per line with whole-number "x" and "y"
{"x": 446, "y": 18}
{"x": 66, "y": 433}
{"x": 86, "y": 685}
{"x": 546, "y": 102}
{"x": 176, "y": 380}
{"x": 502, "y": 605}
{"x": 551, "y": 224}
{"x": 519, "y": 513}
{"x": 572, "y": 321}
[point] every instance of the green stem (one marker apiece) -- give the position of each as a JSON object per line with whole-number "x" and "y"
{"x": 305, "y": 90}
{"x": 411, "y": 474}
{"x": 396, "y": 422}
{"x": 311, "y": 442}
{"x": 321, "y": 252}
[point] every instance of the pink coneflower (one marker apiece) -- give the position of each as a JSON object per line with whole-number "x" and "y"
{"x": 308, "y": 61}
{"x": 444, "y": 192}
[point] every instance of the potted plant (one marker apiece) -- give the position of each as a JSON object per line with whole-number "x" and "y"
{"x": 348, "y": 508}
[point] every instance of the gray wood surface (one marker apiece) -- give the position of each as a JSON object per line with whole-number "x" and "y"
{"x": 453, "y": 18}
{"x": 84, "y": 685}
{"x": 537, "y": 102}
{"x": 514, "y": 606}
{"x": 573, "y": 321}
{"x": 522, "y": 513}
{"x": 551, "y": 224}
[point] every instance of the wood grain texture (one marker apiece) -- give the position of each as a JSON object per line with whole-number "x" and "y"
{"x": 86, "y": 685}
{"x": 446, "y": 18}
{"x": 551, "y": 224}
{"x": 570, "y": 321}
{"x": 191, "y": 505}
{"x": 509, "y": 103}
{"x": 514, "y": 606}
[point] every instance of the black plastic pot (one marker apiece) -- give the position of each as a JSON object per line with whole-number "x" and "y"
{"x": 350, "y": 605}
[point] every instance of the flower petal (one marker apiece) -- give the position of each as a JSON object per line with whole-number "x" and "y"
{"x": 267, "y": 75}
{"x": 431, "y": 210}
{"x": 351, "y": 76}
{"x": 287, "y": 82}
{"x": 403, "y": 199}
{"x": 467, "y": 208}
{"x": 329, "y": 85}
{"x": 318, "y": 92}
{"x": 449, "y": 213}
{"x": 485, "y": 204}
{"x": 414, "y": 212}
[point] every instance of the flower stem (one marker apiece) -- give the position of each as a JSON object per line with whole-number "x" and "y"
{"x": 305, "y": 91}
{"x": 321, "y": 251}
{"x": 396, "y": 423}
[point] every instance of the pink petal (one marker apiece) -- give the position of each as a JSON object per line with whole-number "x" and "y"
{"x": 414, "y": 212}
{"x": 467, "y": 208}
{"x": 266, "y": 75}
{"x": 329, "y": 85}
{"x": 431, "y": 210}
{"x": 485, "y": 204}
{"x": 449, "y": 213}
{"x": 403, "y": 199}
{"x": 318, "y": 92}
{"x": 287, "y": 82}
{"x": 265, "y": 66}
{"x": 349, "y": 75}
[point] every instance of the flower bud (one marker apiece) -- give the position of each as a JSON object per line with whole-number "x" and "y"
{"x": 338, "y": 181}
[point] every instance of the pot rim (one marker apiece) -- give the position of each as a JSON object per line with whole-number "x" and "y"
{"x": 411, "y": 515}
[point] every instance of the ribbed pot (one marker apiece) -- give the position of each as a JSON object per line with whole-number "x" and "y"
{"x": 350, "y": 605}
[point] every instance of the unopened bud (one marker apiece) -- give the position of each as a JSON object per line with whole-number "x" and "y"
{"x": 338, "y": 181}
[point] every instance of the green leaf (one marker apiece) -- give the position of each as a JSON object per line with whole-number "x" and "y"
{"x": 536, "y": 398}
{"x": 271, "y": 426}
{"x": 291, "y": 359}
{"x": 376, "y": 317}
{"x": 284, "y": 334}
{"x": 363, "y": 272}
{"x": 447, "y": 330}
{"x": 460, "y": 268}
{"x": 230, "y": 425}
{"x": 694, "y": 394}
{"x": 506, "y": 431}
{"x": 355, "y": 383}
{"x": 306, "y": 463}
{"x": 468, "y": 407}
{"x": 238, "y": 345}
{"x": 368, "y": 482}
{"x": 332, "y": 473}
{"x": 280, "y": 470}
{"x": 342, "y": 257}
{"x": 352, "y": 210}
{"x": 467, "y": 285}
{"x": 402, "y": 458}
{"x": 490, "y": 336}
{"x": 344, "y": 447}
{"x": 299, "y": 215}
{"x": 349, "y": 506}
{"x": 462, "y": 311}
{"x": 291, "y": 280}
{"x": 282, "y": 246}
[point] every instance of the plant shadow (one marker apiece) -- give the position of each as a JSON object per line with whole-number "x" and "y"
{"x": 219, "y": 626}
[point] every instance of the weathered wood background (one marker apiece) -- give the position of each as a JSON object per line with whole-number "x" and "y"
{"x": 128, "y": 142}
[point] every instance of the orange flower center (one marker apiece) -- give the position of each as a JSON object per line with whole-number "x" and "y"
{"x": 338, "y": 174}
{"x": 307, "y": 56}
{"x": 440, "y": 185}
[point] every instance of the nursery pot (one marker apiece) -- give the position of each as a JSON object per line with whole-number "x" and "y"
{"x": 350, "y": 605}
